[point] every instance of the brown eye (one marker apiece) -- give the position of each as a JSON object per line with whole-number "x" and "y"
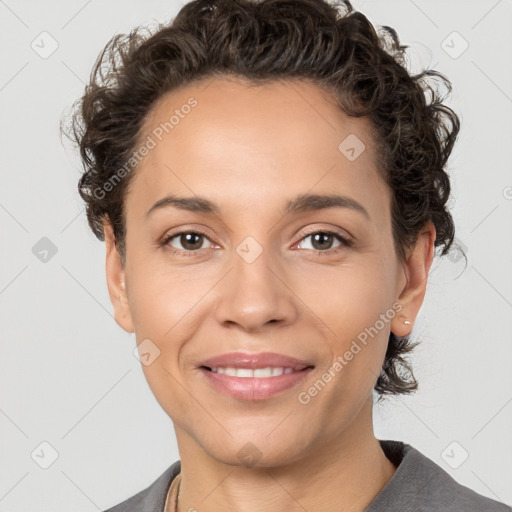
{"x": 322, "y": 242}
{"x": 190, "y": 241}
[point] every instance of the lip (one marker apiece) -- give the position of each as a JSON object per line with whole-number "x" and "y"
{"x": 253, "y": 361}
{"x": 254, "y": 388}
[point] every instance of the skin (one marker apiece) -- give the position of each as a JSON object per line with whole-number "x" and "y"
{"x": 250, "y": 150}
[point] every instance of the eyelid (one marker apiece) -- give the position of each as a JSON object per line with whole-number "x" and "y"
{"x": 343, "y": 233}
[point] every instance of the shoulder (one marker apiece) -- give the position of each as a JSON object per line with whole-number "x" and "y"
{"x": 151, "y": 499}
{"x": 420, "y": 484}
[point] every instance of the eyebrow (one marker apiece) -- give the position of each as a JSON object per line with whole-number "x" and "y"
{"x": 301, "y": 203}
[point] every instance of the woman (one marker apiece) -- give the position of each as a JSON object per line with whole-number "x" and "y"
{"x": 221, "y": 153}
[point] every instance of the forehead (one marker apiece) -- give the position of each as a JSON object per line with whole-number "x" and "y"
{"x": 241, "y": 140}
{"x": 234, "y": 109}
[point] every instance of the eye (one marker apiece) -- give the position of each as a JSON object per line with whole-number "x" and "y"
{"x": 322, "y": 242}
{"x": 190, "y": 241}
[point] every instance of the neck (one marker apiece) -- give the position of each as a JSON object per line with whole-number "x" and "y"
{"x": 343, "y": 475}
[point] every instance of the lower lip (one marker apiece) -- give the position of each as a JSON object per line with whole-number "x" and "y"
{"x": 254, "y": 388}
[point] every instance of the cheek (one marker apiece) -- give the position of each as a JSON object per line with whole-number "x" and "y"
{"x": 162, "y": 308}
{"x": 355, "y": 309}
{"x": 167, "y": 306}
{"x": 160, "y": 298}
{"x": 348, "y": 298}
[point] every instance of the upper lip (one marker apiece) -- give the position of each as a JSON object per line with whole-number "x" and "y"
{"x": 253, "y": 361}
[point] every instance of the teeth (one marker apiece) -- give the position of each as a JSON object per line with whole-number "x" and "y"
{"x": 243, "y": 372}
{"x": 267, "y": 372}
{"x": 258, "y": 372}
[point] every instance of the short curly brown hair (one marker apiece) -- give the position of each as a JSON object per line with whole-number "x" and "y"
{"x": 323, "y": 41}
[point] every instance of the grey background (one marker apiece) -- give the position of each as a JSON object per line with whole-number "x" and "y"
{"x": 68, "y": 376}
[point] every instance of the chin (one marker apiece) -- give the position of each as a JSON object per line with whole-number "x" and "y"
{"x": 257, "y": 451}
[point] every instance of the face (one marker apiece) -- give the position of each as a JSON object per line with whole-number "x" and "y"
{"x": 247, "y": 264}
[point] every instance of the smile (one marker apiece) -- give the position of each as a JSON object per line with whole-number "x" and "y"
{"x": 253, "y": 376}
{"x": 248, "y": 372}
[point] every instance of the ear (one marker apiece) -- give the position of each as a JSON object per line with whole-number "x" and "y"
{"x": 416, "y": 268}
{"x": 116, "y": 282}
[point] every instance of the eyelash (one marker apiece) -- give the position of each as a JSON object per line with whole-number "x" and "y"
{"x": 345, "y": 242}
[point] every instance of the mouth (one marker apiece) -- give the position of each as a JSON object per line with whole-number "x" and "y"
{"x": 258, "y": 373}
{"x": 254, "y": 376}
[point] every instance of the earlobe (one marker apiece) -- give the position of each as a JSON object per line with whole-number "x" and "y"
{"x": 116, "y": 281}
{"x": 416, "y": 268}
{"x": 401, "y": 325}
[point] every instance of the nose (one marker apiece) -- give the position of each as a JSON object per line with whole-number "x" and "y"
{"x": 255, "y": 295}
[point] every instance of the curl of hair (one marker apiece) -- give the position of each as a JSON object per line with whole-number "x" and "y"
{"x": 323, "y": 41}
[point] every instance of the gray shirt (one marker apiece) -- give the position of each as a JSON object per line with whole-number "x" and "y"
{"x": 418, "y": 485}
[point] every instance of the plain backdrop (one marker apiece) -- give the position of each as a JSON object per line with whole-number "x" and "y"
{"x": 72, "y": 394}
